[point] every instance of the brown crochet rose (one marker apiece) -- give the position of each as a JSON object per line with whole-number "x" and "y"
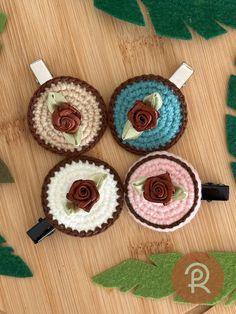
{"x": 143, "y": 117}
{"x": 66, "y": 119}
{"x": 83, "y": 194}
{"x": 159, "y": 189}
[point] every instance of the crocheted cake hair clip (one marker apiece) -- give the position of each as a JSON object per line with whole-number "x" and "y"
{"x": 81, "y": 196}
{"x": 164, "y": 192}
{"x": 66, "y": 115}
{"x": 149, "y": 113}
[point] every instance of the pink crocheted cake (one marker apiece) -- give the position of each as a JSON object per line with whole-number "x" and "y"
{"x": 163, "y": 191}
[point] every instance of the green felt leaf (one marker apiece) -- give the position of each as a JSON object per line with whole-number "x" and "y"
{"x": 231, "y": 134}
{"x": 126, "y": 10}
{"x": 155, "y": 100}
{"x": 129, "y": 132}
{"x": 2, "y": 240}
{"x": 232, "y": 298}
{"x": 155, "y": 280}
{"x": 3, "y": 20}
{"x": 228, "y": 263}
{"x": 173, "y": 18}
{"x": 10, "y": 264}
{"x": 5, "y": 175}
{"x": 233, "y": 167}
{"x": 99, "y": 179}
{"x": 54, "y": 100}
{"x": 231, "y": 99}
{"x": 178, "y": 299}
{"x": 143, "y": 279}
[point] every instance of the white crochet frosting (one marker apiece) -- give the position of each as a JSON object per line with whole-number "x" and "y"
{"x": 101, "y": 211}
{"x": 78, "y": 97}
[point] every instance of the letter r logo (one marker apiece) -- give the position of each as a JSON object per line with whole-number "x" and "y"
{"x": 197, "y": 278}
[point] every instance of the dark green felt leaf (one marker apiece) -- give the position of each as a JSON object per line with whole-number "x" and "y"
{"x": 3, "y": 20}
{"x": 10, "y": 264}
{"x": 5, "y": 175}
{"x": 231, "y": 134}
{"x": 2, "y": 240}
{"x": 231, "y": 100}
{"x": 172, "y": 18}
{"x": 233, "y": 167}
{"x": 143, "y": 279}
{"x": 126, "y": 10}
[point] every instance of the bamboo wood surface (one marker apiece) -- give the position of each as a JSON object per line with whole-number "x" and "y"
{"x": 76, "y": 39}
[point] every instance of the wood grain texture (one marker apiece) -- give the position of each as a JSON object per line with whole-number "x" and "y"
{"x": 76, "y": 39}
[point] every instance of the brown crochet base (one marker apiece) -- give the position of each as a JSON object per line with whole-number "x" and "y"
{"x": 182, "y": 164}
{"x": 88, "y": 87}
{"x": 152, "y": 77}
{"x": 62, "y": 227}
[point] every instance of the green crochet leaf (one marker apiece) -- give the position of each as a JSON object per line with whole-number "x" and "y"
{"x": 126, "y": 10}
{"x": 155, "y": 280}
{"x": 171, "y": 18}
{"x": 3, "y": 20}
{"x": 10, "y": 264}
{"x": 146, "y": 280}
{"x": 5, "y": 175}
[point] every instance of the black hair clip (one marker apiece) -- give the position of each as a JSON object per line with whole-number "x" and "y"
{"x": 215, "y": 192}
{"x": 41, "y": 230}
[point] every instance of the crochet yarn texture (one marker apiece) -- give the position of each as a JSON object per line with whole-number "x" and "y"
{"x": 171, "y": 114}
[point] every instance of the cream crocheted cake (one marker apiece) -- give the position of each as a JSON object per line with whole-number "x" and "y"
{"x": 81, "y": 96}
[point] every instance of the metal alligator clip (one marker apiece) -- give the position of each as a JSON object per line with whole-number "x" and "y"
{"x": 182, "y": 75}
{"x": 41, "y": 72}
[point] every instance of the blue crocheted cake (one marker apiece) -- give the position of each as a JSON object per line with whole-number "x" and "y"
{"x": 173, "y": 113}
